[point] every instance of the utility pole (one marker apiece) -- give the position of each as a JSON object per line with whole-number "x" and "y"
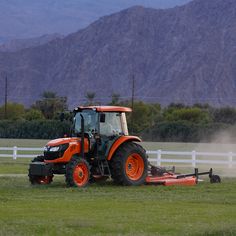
{"x": 5, "y": 110}
{"x": 132, "y": 99}
{"x": 132, "y": 104}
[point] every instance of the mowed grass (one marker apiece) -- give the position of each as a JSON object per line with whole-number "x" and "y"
{"x": 106, "y": 209}
{"x": 19, "y": 166}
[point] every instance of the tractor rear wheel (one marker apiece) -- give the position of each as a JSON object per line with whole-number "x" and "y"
{"x": 129, "y": 165}
{"x": 36, "y": 179}
{"x": 77, "y": 172}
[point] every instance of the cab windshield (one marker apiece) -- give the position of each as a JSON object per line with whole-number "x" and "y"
{"x": 90, "y": 121}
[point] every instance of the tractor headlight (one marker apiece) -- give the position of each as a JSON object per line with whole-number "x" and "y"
{"x": 54, "y": 149}
{"x": 54, "y": 152}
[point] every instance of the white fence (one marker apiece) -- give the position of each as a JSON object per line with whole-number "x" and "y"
{"x": 15, "y": 150}
{"x": 193, "y": 158}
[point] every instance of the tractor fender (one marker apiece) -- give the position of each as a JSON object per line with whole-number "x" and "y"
{"x": 120, "y": 141}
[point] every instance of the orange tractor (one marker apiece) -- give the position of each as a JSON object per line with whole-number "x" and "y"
{"x": 101, "y": 148}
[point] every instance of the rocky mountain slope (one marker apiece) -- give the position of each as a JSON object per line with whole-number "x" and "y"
{"x": 184, "y": 54}
{"x": 33, "y": 18}
{"x": 19, "y": 44}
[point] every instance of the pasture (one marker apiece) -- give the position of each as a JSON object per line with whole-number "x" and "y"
{"x": 106, "y": 209}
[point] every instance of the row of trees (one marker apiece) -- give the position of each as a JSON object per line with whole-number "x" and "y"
{"x": 177, "y": 122}
{"x": 49, "y": 107}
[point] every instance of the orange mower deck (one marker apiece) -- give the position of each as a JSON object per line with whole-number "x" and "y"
{"x": 161, "y": 176}
{"x": 168, "y": 180}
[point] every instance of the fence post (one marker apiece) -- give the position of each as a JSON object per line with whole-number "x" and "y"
{"x": 14, "y": 153}
{"x": 230, "y": 155}
{"x": 159, "y": 157}
{"x": 193, "y": 158}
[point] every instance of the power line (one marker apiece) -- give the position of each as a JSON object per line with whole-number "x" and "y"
{"x": 159, "y": 99}
{"x": 123, "y": 97}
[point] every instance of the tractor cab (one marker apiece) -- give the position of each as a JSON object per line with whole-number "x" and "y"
{"x": 105, "y": 121}
{"x": 101, "y": 126}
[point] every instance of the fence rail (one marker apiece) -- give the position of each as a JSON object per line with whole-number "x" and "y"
{"x": 227, "y": 158}
{"x": 189, "y": 157}
{"x": 15, "y": 150}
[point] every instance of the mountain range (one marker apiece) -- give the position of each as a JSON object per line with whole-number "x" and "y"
{"x": 18, "y": 44}
{"x": 183, "y": 54}
{"x": 23, "y": 19}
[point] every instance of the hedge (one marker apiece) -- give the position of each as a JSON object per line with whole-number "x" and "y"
{"x": 175, "y": 131}
{"x": 183, "y": 131}
{"x": 38, "y": 129}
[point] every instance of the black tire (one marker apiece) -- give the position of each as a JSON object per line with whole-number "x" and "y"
{"x": 35, "y": 179}
{"x": 215, "y": 179}
{"x": 38, "y": 159}
{"x": 98, "y": 179}
{"x": 40, "y": 180}
{"x": 120, "y": 164}
{"x": 77, "y": 172}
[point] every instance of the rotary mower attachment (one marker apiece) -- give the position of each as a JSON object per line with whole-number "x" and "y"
{"x": 163, "y": 176}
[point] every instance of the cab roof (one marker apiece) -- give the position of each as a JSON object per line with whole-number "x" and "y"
{"x": 104, "y": 108}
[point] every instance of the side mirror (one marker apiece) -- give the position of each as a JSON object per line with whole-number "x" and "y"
{"x": 102, "y": 118}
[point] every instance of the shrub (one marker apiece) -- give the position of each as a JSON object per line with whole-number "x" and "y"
{"x": 38, "y": 129}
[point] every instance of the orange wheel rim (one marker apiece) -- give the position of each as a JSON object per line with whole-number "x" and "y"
{"x": 134, "y": 166}
{"x": 81, "y": 174}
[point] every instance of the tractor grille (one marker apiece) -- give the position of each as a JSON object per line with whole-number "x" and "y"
{"x": 54, "y": 155}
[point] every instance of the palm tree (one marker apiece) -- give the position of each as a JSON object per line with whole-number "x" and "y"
{"x": 115, "y": 97}
{"x": 90, "y": 97}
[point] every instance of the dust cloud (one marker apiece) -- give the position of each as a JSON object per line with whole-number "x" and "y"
{"x": 223, "y": 141}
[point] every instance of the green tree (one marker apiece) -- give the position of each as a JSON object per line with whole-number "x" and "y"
{"x": 225, "y": 115}
{"x": 176, "y": 105}
{"x": 115, "y": 99}
{"x": 33, "y": 114}
{"x": 14, "y": 111}
{"x": 51, "y": 104}
{"x": 194, "y": 115}
{"x": 155, "y": 113}
{"x": 143, "y": 116}
{"x": 90, "y": 98}
{"x": 43, "y": 129}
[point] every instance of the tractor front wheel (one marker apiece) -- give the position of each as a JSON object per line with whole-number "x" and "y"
{"x": 129, "y": 165}
{"x": 77, "y": 172}
{"x": 34, "y": 179}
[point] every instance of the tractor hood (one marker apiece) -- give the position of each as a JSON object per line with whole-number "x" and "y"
{"x": 62, "y": 149}
{"x": 59, "y": 141}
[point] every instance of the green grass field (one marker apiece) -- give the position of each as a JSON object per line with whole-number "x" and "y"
{"x": 205, "y": 209}
{"x": 106, "y": 209}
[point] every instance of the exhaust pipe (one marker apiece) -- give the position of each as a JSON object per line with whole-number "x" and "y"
{"x": 82, "y": 136}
